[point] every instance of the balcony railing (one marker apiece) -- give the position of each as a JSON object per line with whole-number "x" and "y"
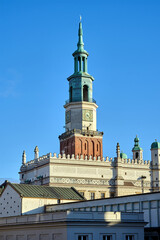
{"x": 92, "y": 100}
{"x": 82, "y": 132}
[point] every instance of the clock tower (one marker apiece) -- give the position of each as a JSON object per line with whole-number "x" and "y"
{"x": 81, "y": 136}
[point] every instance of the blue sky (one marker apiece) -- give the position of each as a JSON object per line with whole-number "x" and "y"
{"x": 37, "y": 39}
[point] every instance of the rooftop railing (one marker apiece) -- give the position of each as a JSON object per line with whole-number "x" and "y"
{"x": 92, "y": 100}
{"x": 83, "y": 132}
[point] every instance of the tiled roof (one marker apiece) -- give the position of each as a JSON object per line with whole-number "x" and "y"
{"x": 35, "y": 191}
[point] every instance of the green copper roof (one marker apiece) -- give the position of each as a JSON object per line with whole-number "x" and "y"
{"x": 155, "y": 145}
{"x": 136, "y": 145}
{"x": 35, "y": 191}
{"x": 123, "y": 155}
{"x": 80, "y": 44}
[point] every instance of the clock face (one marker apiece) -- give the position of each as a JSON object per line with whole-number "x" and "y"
{"x": 68, "y": 116}
{"x": 87, "y": 115}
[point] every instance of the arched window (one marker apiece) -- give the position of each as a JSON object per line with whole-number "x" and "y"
{"x": 85, "y": 93}
{"x": 137, "y": 155}
{"x": 85, "y": 146}
{"x": 93, "y": 148}
{"x": 71, "y": 93}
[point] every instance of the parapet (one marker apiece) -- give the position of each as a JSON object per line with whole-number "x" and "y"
{"x": 51, "y": 158}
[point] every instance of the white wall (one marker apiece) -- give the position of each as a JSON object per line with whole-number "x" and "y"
{"x": 10, "y": 203}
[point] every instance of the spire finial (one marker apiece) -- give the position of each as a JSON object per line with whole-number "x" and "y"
{"x": 80, "y": 43}
{"x": 80, "y": 18}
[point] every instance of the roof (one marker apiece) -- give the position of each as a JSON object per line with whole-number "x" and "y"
{"x": 123, "y": 155}
{"x": 155, "y": 145}
{"x": 35, "y": 191}
{"x": 136, "y": 145}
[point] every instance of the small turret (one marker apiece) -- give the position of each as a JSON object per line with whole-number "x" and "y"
{"x": 36, "y": 153}
{"x": 118, "y": 150}
{"x": 155, "y": 157}
{"x": 123, "y": 155}
{"x": 24, "y": 158}
{"x": 137, "y": 150}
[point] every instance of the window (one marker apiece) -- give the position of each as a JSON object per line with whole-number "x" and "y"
{"x": 155, "y": 155}
{"x": 107, "y": 237}
{"x": 85, "y": 93}
{"x": 129, "y": 237}
{"x": 71, "y": 93}
{"x": 137, "y": 154}
{"x": 112, "y": 194}
{"x": 102, "y": 195}
{"x": 82, "y": 237}
{"x": 92, "y": 195}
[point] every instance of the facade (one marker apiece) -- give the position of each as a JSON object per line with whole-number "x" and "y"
{"x": 81, "y": 163}
{"x": 148, "y": 203}
{"x": 69, "y": 225}
{"x": 21, "y": 199}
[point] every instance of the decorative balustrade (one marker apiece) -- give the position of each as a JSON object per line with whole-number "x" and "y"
{"x": 49, "y": 157}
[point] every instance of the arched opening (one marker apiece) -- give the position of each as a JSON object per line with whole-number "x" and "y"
{"x": 137, "y": 155}
{"x": 85, "y": 93}
{"x": 79, "y": 63}
{"x": 85, "y": 146}
{"x": 71, "y": 93}
{"x": 93, "y": 148}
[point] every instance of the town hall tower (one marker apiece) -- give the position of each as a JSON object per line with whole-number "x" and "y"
{"x": 81, "y": 136}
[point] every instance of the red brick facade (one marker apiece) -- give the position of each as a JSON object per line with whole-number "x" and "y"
{"x": 85, "y": 145}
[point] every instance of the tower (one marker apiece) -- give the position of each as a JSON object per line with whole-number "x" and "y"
{"x": 155, "y": 157}
{"x": 81, "y": 136}
{"x": 137, "y": 150}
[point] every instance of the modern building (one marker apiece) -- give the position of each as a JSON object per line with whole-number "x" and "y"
{"x": 148, "y": 203}
{"x": 81, "y": 163}
{"x": 69, "y": 225}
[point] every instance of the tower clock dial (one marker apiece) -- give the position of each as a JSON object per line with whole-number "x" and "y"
{"x": 87, "y": 115}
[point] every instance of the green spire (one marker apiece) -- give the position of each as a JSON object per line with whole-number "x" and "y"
{"x": 136, "y": 144}
{"x": 80, "y": 43}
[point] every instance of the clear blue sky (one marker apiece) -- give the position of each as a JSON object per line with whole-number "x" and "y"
{"x": 37, "y": 39}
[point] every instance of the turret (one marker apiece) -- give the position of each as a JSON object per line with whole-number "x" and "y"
{"x": 155, "y": 157}
{"x": 24, "y": 158}
{"x": 137, "y": 150}
{"x": 36, "y": 153}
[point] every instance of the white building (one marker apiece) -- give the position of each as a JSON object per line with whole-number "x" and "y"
{"x": 81, "y": 163}
{"x": 21, "y": 199}
{"x": 67, "y": 225}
